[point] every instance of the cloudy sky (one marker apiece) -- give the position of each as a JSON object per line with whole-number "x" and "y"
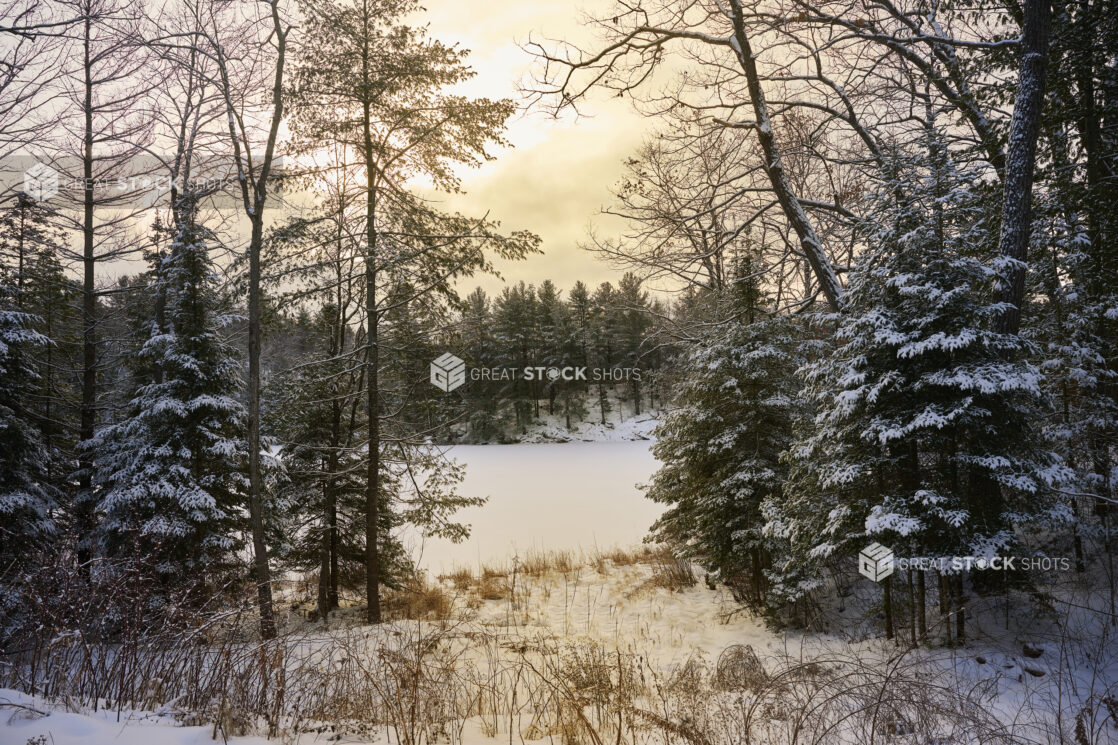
{"x": 556, "y": 178}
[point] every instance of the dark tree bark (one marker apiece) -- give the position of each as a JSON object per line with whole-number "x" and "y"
{"x": 921, "y": 607}
{"x": 323, "y": 604}
{"x": 790, "y": 204}
{"x": 372, "y": 495}
{"x": 1018, "y": 183}
{"x": 88, "y": 409}
{"x": 256, "y": 480}
{"x": 253, "y": 178}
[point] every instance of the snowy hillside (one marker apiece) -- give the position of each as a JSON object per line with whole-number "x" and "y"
{"x": 616, "y": 429}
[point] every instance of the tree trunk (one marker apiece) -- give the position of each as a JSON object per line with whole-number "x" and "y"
{"x": 887, "y": 587}
{"x": 372, "y": 493}
{"x": 1018, "y": 182}
{"x": 253, "y": 182}
{"x": 88, "y": 414}
{"x": 332, "y": 527}
{"x": 960, "y": 611}
{"x": 323, "y": 608}
{"x": 774, "y": 168}
{"x": 912, "y": 608}
{"x": 255, "y": 477}
{"x": 22, "y": 206}
{"x": 921, "y": 606}
{"x": 945, "y": 606}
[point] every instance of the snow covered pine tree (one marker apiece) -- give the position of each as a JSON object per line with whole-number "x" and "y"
{"x": 925, "y": 436}
{"x": 721, "y": 448}
{"x": 171, "y": 475}
{"x": 25, "y": 498}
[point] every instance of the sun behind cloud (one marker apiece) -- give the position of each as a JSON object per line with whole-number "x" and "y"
{"x": 555, "y": 178}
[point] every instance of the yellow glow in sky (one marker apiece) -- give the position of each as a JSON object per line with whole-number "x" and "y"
{"x": 556, "y": 177}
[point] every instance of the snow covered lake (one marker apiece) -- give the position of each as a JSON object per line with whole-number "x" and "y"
{"x": 547, "y": 496}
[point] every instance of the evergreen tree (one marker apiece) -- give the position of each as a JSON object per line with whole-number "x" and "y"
{"x": 570, "y": 351}
{"x": 315, "y": 415}
{"x": 603, "y": 341}
{"x": 1073, "y": 269}
{"x": 481, "y": 397}
{"x": 924, "y": 438}
{"x": 409, "y": 344}
{"x": 369, "y": 81}
{"x": 632, "y": 324}
{"x": 549, "y": 306}
{"x": 31, "y": 243}
{"x": 516, "y": 332}
{"x": 1071, "y": 333}
{"x": 171, "y": 474}
{"x": 721, "y": 447}
{"x": 26, "y": 498}
{"x": 580, "y": 310}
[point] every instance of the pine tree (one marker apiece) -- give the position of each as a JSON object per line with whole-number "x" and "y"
{"x": 721, "y": 447}
{"x": 549, "y": 308}
{"x": 580, "y": 308}
{"x": 516, "y": 333}
{"x": 603, "y": 341}
{"x": 1074, "y": 342}
{"x": 409, "y": 336}
{"x": 481, "y": 397}
{"x": 32, "y": 242}
{"x": 632, "y": 323}
{"x": 26, "y": 498}
{"x": 1074, "y": 268}
{"x": 924, "y": 438}
{"x": 315, "y": 416}
{"x": 368, "y": 80}
{"x": 570, "y": 351}
{"x": 171, "y": 477}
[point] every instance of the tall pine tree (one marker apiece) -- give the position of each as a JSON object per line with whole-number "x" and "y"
{"x": 171, "y": 475}
{"x": 26, "y": 498}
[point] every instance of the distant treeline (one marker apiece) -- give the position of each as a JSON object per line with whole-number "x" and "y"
{"x": 530, "y": 352}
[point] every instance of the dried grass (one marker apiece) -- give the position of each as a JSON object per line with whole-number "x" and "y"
{"x": 418, "y": 601}
{"x": 672, "y": 572}
{"x": 462, "y": 579}
{"x": 494, "y": 587}
{"x": 540, "y": 563}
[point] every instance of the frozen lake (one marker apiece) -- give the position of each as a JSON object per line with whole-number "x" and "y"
{"x": 547, "y": 496}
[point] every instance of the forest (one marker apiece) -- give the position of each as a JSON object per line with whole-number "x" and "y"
{"x": 862, "y": 290}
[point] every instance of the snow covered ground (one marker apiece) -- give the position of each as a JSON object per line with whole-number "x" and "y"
{"x": 30, "y": 720}
{"x": 546, "y": 496}
{"x": 540, "y": 593}
{"x": 551, "y": 612}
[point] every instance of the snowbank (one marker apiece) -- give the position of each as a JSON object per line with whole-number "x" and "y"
{"x": 29, "y": 720}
